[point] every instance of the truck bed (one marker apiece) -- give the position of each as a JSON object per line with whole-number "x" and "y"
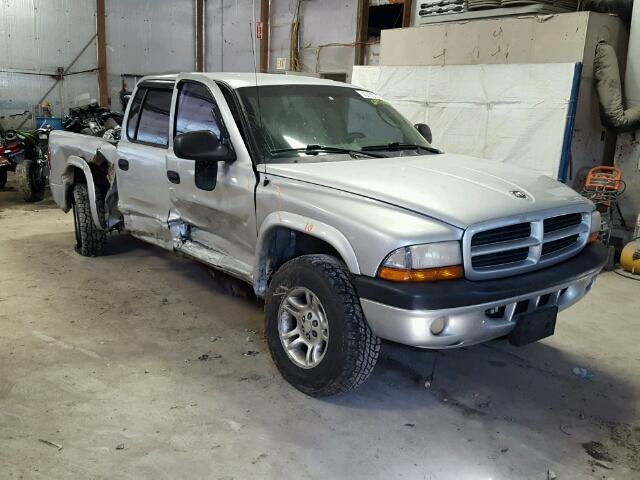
{"x": 62, "y": 146}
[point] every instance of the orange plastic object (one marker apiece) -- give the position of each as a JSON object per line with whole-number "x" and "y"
{"x": 604, "y": 178}
{"x": 421, "y": 275}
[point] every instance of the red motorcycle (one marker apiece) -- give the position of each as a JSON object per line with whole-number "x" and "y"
{"x": 26, "y": 154}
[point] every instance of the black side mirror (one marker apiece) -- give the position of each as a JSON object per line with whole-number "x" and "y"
{"x": 205, "y": 148}
{"x": 425, "y": 131}
{"x": 202, "y": 145}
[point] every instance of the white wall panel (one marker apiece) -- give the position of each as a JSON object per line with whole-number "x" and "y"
{"x": 148, "y": 36}
{"x": 511, "y": 113}
{"x": 37, "y": 36}
{"x": 228, "y": 35}
{"x": 155, "y": 36}
{"x": 322, "y": 22}
{"x": 229, "y": 30}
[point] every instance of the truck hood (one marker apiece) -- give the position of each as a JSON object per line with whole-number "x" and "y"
{"x": 456, "y": 189}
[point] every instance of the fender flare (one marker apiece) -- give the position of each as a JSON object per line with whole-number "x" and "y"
{"x": 78, "y": 162}
{"x": 308, "y": 226}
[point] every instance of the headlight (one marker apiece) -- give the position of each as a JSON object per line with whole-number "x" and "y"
{"x": 423, "y": 263}
{"x": 596, "y": 225}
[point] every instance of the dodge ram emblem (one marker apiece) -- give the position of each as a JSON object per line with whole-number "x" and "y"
{"x": 518, "y": 194}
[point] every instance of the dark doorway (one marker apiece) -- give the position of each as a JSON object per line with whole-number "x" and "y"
{"x": 383, "y": 17}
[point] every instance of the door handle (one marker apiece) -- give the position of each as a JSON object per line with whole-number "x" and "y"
{"x": 174, "y": 177}
{"x": 123, "y": 164}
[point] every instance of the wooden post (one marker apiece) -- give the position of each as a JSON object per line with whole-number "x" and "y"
{"x": 200, "y": 52}
{"x": 103, "y": 83}
{"x": 406, "y": 13}
{"x": 362, "y": 31}
{"x": 265, "y": 15}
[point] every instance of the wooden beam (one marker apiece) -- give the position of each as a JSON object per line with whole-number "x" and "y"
{"x": 406, "y": 13}
{"x": 103, "y": 84}
{"x": 362, "y": 31}
{"x": 200, "y": 47}
{"x": 265, "y": 16}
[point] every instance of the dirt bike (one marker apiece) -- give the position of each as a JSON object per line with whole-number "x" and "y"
{"x": 33, "y": 171}
{"x": 25, "y": 152}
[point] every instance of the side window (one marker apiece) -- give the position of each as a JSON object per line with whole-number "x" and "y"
{"x": 153, "y": 126}
{"x": 197, "y": 110}
{"x": 134, "y": 113}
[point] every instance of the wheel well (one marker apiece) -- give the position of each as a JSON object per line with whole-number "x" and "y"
{"x": 78, "y": 177}
{"x": 284, "y": 244}
{"x": 99, "y": 167}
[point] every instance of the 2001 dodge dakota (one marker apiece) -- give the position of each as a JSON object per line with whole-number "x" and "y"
{"x": 338, "y": 212}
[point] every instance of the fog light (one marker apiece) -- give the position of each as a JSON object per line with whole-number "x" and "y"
{"x": 437, "y": 326}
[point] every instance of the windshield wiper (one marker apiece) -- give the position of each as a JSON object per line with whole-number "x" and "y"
{"x": 395, "y": 146}
{"x": 314, "y": 149}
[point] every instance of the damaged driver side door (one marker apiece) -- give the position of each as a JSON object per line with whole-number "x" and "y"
{"x": 212, "y": 213}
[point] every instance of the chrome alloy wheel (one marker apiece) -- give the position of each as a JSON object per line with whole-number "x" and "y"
{"x": 303, "y": 327}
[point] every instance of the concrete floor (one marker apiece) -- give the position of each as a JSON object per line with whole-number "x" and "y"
{"x": 101, "y": 357}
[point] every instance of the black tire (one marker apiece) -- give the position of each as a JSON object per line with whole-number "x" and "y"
{"x": 90, "y": 240}
{"x": 3, "y": 177}
{"x": 352, "y": 350}
{"x": 29, "y": 184}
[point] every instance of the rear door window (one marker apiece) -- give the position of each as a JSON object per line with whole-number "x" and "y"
{"x": 153, "y": 126}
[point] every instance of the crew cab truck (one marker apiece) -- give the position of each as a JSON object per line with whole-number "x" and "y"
{"x": 339, "y": 212}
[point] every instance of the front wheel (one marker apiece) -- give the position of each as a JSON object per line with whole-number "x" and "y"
{"x": 90, "y": 240}
{"x": 30, "y": 184}
{"x": 316, "y": 330}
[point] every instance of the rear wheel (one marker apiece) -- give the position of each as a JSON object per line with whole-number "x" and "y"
{"x": 30, "y": 184}
{"x": 3, "y": 177}
{"x": 316, "y": 331}
{"x": 90, "y": 240}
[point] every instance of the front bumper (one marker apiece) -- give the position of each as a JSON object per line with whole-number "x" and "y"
{"x": 474, "y": 311}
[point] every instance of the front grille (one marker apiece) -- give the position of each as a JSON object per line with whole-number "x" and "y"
{"x": 555, "y": 245}
{"x": 537, "y": 240}
{"x": 500, "y": 258}
{"x": 562, "y": 221}
{"x": 510, "y": 232}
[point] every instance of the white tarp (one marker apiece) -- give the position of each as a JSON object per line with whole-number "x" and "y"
{"x": 511, "y": 113}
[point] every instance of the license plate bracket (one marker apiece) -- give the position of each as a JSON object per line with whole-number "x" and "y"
{"x": 533, "y": 326}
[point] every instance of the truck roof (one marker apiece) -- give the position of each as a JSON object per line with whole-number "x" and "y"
{"x": 246, "y": 79}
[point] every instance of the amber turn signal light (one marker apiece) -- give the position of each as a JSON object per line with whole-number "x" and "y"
{"x": 593, "y": 237}
{"x": 421, "y": 275}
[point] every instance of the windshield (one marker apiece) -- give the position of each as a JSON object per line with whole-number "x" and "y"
{"x": 290, "y": 122}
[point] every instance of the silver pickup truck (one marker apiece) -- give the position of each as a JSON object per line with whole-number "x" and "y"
{"x": 339, "y": 213}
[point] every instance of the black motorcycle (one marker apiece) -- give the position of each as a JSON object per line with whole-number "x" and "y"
{"x": 33, "y": 171}
{"x": 92, "y": 120}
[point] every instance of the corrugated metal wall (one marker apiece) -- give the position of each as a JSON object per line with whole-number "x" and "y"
{"x": 322, "y": 22}
{"x": 36, "y": 37}
{"x": 154, "y": 36}
{"x": 147, "y": 37}
{"x": 229, "y": 30}
{"x": 228, "y": 35}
